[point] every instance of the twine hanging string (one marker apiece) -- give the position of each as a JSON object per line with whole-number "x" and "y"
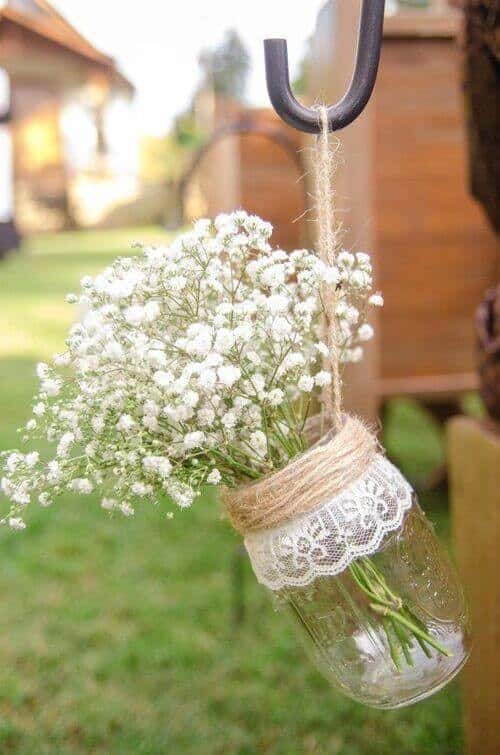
{"x": 328, "y": 240}
{"x": 340, "y": 457}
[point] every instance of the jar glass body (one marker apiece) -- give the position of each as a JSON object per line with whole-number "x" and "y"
{"x": 357, "y": 648}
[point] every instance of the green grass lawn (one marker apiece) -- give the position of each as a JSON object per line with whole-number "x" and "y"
{"x": 116, "y": 635}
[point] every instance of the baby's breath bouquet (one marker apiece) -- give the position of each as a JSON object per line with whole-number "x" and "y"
{"x": 200, "y": 363}
{"x": 193, "y": 363}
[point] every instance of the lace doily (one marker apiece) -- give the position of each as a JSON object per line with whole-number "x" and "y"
{"x": 325, "y": 541}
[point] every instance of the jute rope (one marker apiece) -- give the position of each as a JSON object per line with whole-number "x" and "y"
{"x": 343, "y": 454}
{"x": 327, "y": 244}
{"x": 305, "y": 483}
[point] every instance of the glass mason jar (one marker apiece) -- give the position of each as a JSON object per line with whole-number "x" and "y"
{"x": 392, "y": 627}
{"x": 368, "y": 585}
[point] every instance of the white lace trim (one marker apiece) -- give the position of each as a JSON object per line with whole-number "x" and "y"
{"x": 325, "y": 541}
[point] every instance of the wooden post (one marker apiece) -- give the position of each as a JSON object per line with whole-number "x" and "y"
{"x": 9, "y": 238}
{"x": 474, "y": 465}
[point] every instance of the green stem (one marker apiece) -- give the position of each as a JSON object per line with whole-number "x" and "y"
{"x": 393, "y": 648}
{"x": 404, "y": 641}
{"x": 384, "y": 611}
{"x": 400, "y": 625}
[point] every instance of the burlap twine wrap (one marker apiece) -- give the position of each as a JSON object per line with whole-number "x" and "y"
{"x": 343, "y": 454}
{"x": 312, "y": 478}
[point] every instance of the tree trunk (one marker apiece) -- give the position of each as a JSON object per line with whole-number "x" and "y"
{"x": 482, "y": 102}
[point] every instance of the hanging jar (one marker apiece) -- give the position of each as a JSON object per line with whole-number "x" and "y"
{"x": 366, "y": 582}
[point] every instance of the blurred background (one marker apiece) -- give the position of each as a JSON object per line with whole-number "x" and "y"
{"x": 124, "y": 122}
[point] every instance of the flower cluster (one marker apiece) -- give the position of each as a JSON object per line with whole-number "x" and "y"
{"x": 193, "y": 363}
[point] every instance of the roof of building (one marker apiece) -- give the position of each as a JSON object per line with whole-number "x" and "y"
{"x": 40, "y": 18}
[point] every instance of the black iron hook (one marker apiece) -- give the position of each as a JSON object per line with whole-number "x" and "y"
{"x": 361, "y": 86}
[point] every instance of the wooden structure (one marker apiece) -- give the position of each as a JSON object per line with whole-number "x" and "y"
{"x": 252, "y": 160}
{"x": 405, "y": 186}
{"x": 474, "y": 464}
{"x": 9, "y": 237}
{"x": 403, "y": 193}
{"x": 62, "y": 88}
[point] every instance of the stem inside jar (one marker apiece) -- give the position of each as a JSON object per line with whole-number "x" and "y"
{"x": 401, "y": 626}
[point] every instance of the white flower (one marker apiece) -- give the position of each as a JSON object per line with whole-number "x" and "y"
{"x": 352, "y": 315}
{"x": 346, "y": 259}
{"x": 365, "y": 332}
{"x": 126, "y": 509}
{"x": 97, "y": 424}
{"x": 273, "y": 276}
{"x": 51, "y": 386}
{"x": 177, "y": 283}
{"x": 140, "y": 488}
{"x": 156, "y": 358}
{"x": 376, "y": 300}
{"x": 207, "y": 379}
{"x": 13, "y": 461}
{"x": 113, "y": 350}
{"x": 356, "y": 354}
{"x": 360, "y": 279}
{"x": 20, "y": 495}
{"x": 213, "y": 360}
{"x": 330, "y": 275}
{"x": 275, "y": 397}
{"x": 224, "y": 341}
{"x": 44, "y": 499}
{"x": 291, "y": 361}
{"x": 306, "y": 383}
{"x": 363, "y": 260}
{"x": 206, "y": 416}
{"x": 229, "y": 375}
{"x": 134, "y": 314}
{"x": 15, "y": 523}
{"x": 254, "y": 358}
{"x": 82, "y": 485}
{"x": 65, "y": 442}
{"x": 151, "y": 407}
{"x": 162, "y": 378}
{"x": 258, "y": 441}
{"x": 229, "y": 420}
{"x": 281, "y": 328}
{"x": 214, "y": 477}
{"x": 108, "y": 504}
{"x": 277, "y": 303}
{"x": 191, "y": 398}
{"x": 39, "y": 409}
{"x": 62, "y": 360}
{"x": 150, "y": 422}
{"x": 322, "y": 348}
{"x": 42, "y": 370}
{"x": 243, "y": 333}
{"x": 158, "y": 464}
{"x": 32, "y": 458}
{"x": 152, "y": 311}
{"x": 53, "y": 471}
{"x": 125, "y": 424}
{"x": 322, "y": 378}
{"x": 6, "y": 486}
{"x": 193, "y": 440}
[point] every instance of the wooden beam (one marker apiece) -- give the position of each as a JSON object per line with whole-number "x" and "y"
{"x": 432, "y": 387}
{"x": 474, "y": 466}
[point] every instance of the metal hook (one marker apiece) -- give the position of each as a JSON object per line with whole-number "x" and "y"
{"x": 361, "y": 86}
